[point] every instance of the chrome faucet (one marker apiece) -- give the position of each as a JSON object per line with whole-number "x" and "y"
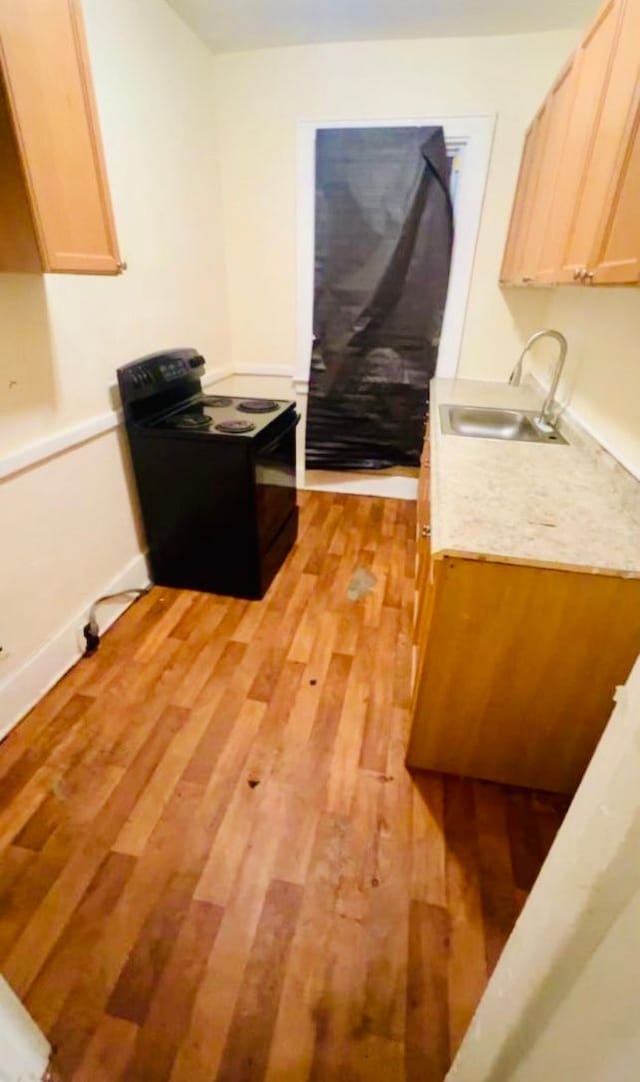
{"x": 544, "y": 420}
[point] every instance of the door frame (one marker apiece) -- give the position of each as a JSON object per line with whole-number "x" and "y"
{"x": 473, "y": 135}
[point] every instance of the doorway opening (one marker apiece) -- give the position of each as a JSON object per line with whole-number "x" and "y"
{"x": 468, "y": 145}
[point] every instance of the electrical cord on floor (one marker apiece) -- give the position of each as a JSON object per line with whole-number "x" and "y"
{"x": 91, "y": 630}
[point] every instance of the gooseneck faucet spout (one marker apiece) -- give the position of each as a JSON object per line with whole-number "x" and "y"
{"x": 544, "y": 420}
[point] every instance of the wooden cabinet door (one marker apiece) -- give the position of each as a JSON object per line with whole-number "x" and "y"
{"x": 425, "y": 601}
{"x": 423, "y": 615}
{"x": 423, "y": 536}
{"x": 18, "y": 242}
{"x": 512, "y": 264}
{"x": 516, "y": 224}
{"x": 538, "y": 201}
{"x": 618, "y": 261}
{"x": 423, "y": 517}
{"x": 559, "y": 177}
{"x": 48, "y": 85}
{"x": 616, "y": 245}
{"x": 605, "y": 87}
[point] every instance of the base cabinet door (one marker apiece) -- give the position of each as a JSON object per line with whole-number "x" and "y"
{"x": 518, "y": 670}
{"x": 423, "y": 518}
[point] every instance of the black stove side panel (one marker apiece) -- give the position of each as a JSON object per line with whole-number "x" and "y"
{"x": 197, "y": 509}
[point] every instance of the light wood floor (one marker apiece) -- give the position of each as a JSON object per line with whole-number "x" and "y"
{"x": 215, "y": 865}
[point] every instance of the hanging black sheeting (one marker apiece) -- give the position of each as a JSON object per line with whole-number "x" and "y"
{"x": 384, "y": 234}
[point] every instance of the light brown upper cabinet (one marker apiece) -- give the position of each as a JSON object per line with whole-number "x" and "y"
{"x": 513, "y": 267}
{"x": 552, "y": 120}
{"x": 561, "y": 175}
{"x": 618, "y": 256}
{"x": 587, "y": 154}
{"x": 55, "y": 209}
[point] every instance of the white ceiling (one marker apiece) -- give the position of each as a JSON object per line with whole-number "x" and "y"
{"x": 229, "y": 25}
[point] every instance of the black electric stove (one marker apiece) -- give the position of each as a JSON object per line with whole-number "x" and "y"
{"x": 215, "y": 476}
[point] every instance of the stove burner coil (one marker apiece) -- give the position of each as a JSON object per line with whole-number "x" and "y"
{"x": 192, "y": 420}
{"x": 257, "y": 405}
{"x": 235, "y": 426}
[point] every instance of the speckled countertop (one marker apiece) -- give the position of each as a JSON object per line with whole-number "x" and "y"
{"x": 571, "y": 506}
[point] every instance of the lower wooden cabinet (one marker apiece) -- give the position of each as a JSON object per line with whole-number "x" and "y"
{"x": 423, "y": 548}
{"x": 516, "y": 669}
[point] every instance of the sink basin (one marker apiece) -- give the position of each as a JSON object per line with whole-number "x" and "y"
{"x": 485, "y": 422}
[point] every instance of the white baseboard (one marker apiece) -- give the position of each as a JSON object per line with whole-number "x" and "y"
{"x": 263, "y": 370}
{"x": 388, "y": 486}
{"x": 216, "y": 376}
{"x": 25, "y": 687}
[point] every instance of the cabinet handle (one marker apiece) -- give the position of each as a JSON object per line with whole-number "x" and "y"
{"x": 527, "y": 279}
{"x": 576, "y": 274}
{"x": 425, "y": 531}
{"x": 588, "y": 276}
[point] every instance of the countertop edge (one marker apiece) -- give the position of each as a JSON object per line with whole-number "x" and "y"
{"x": 545, "y": 565}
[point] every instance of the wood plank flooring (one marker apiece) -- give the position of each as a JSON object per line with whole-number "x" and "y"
{"x": 215, "y": 865}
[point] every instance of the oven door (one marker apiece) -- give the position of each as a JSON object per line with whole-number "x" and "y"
{"x": 275, "y": 473}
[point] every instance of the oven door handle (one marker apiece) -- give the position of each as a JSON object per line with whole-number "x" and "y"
{"x": 281, "y": 435}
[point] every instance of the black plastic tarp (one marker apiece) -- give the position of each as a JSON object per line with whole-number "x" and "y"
{"x": 384, "y": 233}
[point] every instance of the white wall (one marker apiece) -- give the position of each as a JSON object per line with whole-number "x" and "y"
{"x": 25, "y": 1051}
{"x": 261, "y": 96}
{"x": 602, "y": 383}
{"x": 562, "y": 1004}
{"x": 68, "y": 528}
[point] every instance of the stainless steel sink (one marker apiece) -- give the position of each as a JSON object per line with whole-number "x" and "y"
{"x": 486, "y": 422}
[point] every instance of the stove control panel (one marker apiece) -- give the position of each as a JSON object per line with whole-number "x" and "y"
{"x": 154, "y": 373}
